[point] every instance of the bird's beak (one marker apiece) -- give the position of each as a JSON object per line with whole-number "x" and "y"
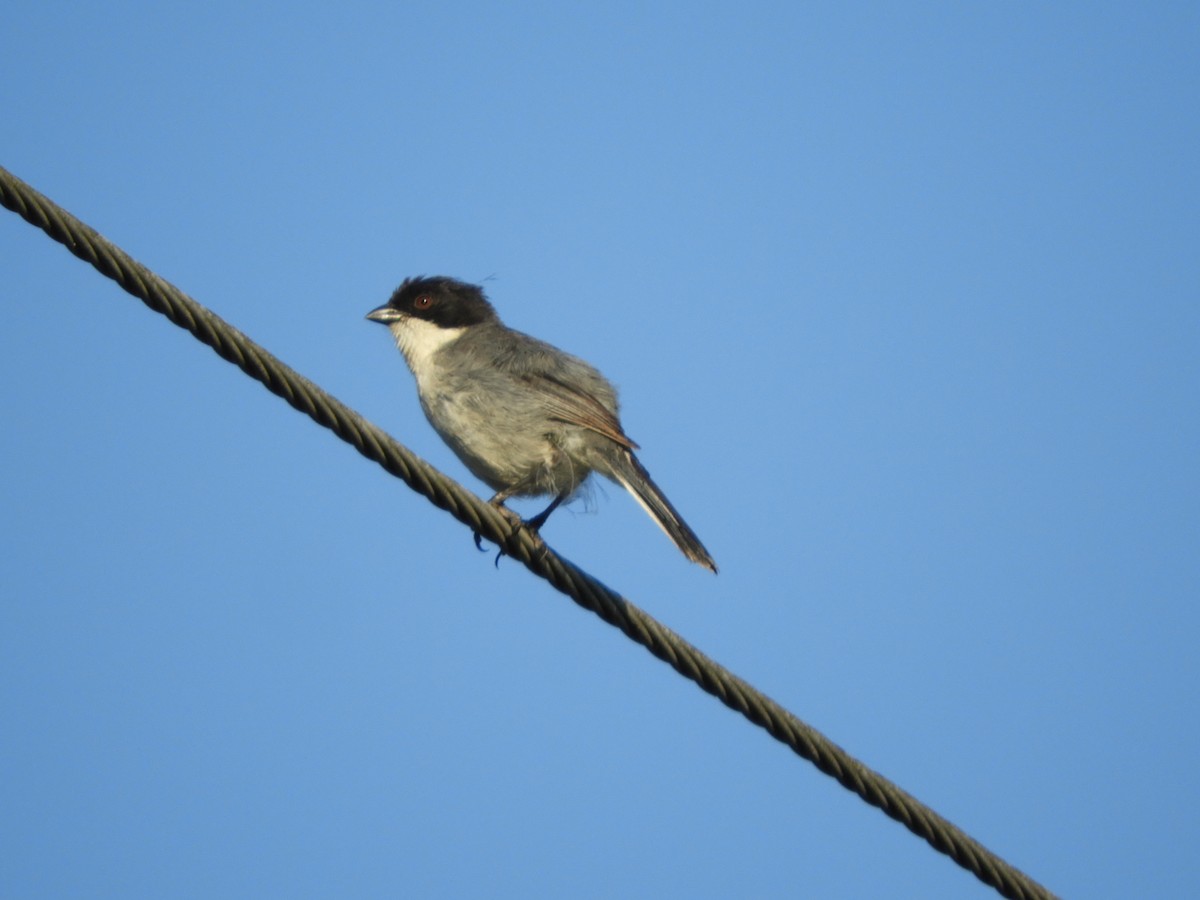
{"x": 385, "y": 315}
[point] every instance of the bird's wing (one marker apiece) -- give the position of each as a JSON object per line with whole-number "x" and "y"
{"x": 577, "y": 407}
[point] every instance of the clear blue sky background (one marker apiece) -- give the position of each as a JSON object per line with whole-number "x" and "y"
{"x": 904, "y": 303}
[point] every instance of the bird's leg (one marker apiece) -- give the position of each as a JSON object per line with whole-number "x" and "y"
{"x": 539, "y": 520}
{"x": 533, "y": 525}
{"x": 498, "y": 501}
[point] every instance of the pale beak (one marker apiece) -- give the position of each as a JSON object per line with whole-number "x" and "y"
{"x": 385, "y": 315}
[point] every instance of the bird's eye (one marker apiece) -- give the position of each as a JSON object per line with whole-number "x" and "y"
{"x": 423, "y": 302}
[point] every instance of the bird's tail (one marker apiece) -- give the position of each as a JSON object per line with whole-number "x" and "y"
{"x": 634, "y": 478}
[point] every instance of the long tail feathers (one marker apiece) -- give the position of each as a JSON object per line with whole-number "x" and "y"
{"x": 635, "y": 479}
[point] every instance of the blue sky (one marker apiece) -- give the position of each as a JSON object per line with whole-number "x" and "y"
{"x": 904, "y": 305}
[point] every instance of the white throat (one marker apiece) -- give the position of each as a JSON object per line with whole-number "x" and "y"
{"x": 420, "y": 341}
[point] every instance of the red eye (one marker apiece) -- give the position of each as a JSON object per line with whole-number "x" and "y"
{"x": 423, "y": 302}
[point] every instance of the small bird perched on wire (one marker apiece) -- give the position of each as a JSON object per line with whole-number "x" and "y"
{"x": 526, "y": 418}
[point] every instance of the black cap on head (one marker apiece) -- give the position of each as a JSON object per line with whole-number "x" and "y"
{"x": 444, "y": 301}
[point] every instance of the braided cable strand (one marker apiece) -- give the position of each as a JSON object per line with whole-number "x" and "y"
{"x": 376, "y": 445}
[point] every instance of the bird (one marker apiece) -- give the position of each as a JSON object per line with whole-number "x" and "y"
{"x": 526, "y": 418}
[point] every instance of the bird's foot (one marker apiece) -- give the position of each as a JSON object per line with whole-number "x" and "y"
{"x": 516, "y": 522}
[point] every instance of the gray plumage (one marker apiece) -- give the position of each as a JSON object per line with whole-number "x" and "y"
{"x": 524, "y": 417}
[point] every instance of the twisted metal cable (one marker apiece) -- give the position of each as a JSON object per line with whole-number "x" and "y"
{"x": 373, "y": 443}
